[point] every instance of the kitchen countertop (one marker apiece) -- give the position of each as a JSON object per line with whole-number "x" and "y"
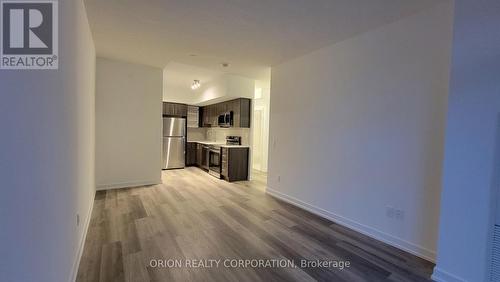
{"x": 224, "y": 145}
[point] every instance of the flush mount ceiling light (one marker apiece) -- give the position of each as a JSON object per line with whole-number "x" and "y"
{"x": 196, "y": 84}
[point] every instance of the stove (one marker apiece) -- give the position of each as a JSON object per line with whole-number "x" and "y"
{"x": 213, "y": 157}
{"x": 214, "y": 160}
{"x": 233, "y": 140}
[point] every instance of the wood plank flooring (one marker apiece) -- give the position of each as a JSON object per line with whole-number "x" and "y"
{"x": 193, "y": 216}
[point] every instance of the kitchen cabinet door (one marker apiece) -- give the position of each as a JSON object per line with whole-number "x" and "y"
{"x": 214, "y": 116}
{"x": 204, "y": 116}
{"x": 181, "y": 110}
{"x": 191, "y": 153}
{"x": 199, "y": 156}
{"x": 241, "y": 112}
{"x": 223, "y": 107}
{"x": 193, "y": 117}
{"x": 168, "y": 109}
{"x": 234, "y": 164}
{"x": 245, "y": 108}
{"x": 235, "y": 108}
{"x": 174, "y": 109}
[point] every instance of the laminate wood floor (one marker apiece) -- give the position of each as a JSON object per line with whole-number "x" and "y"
{"x": 194, "y": 217}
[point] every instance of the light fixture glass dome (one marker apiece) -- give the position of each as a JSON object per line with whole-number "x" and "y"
{"x": 196, "y": 84}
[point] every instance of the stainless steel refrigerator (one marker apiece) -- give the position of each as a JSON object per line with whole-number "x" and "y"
{"x": 174, "y": 142}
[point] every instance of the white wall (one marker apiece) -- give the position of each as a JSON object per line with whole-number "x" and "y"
{"x": 47, "y": 158}
{"x": 221, "y": 88}
{"x": 472, "y": 141}
{"x": 128, "y": 124}
{"x": 359, "y": 126}
{"x": 224, "y": 88}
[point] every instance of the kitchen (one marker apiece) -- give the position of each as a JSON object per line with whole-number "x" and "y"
{"x": 228, "y": 159}
{"x": 215, "y": 121}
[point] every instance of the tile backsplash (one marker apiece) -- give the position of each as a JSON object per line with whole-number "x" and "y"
{"x": 217, "y": 134}
{"x": 196, "y": 134}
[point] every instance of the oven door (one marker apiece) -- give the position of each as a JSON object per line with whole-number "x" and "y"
{"x": 214, "y": 162}
{"x": 205, "y": 152}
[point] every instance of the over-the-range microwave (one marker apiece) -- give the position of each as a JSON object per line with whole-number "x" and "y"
{"x": 226, "y": 119}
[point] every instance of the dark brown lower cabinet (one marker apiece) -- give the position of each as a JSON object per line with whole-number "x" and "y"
{"x": 199, "y": 155}
{"x": 234, "y": 164}
{"x": 191, "y": 153}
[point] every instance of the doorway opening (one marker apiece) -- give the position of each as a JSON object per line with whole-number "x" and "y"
{"x": 260, "y": 131}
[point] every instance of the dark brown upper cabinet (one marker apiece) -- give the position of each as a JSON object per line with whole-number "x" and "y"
{"x": 240, "y": 108}
{"x": 241, "y": 112}
{"x": 207, "y": 117}
{"x": 175, "y": 109}
{"x": 214, "y": 117}
{"x": 193, "y": 117}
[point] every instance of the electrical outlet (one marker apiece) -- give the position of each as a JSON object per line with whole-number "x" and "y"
{"x": 390, "y": 211}
{"x": 77, "y": 220}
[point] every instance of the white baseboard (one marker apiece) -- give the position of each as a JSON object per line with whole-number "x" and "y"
{"x": 81, "y": 244}
{"x": 359, "y": 227}
{"x": 110, "y": 186}
{"x": 440, "y": 275}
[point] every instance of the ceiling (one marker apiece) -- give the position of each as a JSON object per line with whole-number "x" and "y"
{"x": 179, "y": 75}
{"x": 250, "y": 35}
{"x": 177, "y": 80}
